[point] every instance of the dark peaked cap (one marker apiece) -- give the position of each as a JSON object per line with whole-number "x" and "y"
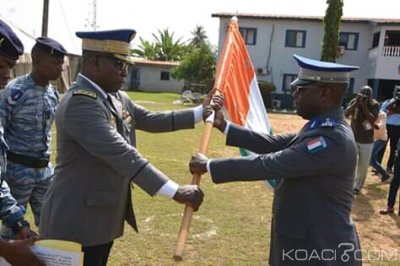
{"x": 10, "y": 45}
{"x": 320, "y": 71}
{"x": 114, "y": 42}
{"x": 50, "y": 46}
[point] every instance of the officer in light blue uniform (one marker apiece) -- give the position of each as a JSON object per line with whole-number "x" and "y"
{"x": 27, "y": 108}
{"x": 312, "y": 203}
{"x": 11, "y": 214}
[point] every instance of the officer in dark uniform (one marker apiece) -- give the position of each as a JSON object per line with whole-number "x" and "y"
{"x": 11, "y": 214}
{"x": 312, "y": 203}
{"x": 90, "y": 196}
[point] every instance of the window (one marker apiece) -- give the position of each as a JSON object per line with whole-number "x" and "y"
{"x": 350, "y": 88}
{"x": 164, "y": 75}
{"x": 295, "y": 38}
{"x": 349, "y": 40}
{"x": 375, "y": 40}
{"x": 249, "y": 35}
{"x": 287, "y": 79}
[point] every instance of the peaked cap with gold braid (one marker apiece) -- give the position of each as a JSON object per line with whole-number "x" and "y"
{"x": 115, "y": 42}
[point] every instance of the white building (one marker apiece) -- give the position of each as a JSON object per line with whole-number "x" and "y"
{"x": 155, "y": 76}
{"x": 372, "y": 44}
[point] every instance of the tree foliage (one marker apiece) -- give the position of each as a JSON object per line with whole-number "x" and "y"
{"x": 198, "y": 65}
{"x": 332, "y": 19}
{"x": 197, "y": 58}
{"x": 199, "y": 36}
{"x": 164, "y": 47}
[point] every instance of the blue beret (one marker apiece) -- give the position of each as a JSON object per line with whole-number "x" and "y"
{"x": 319, "y": 71}
{"x": 115, "y": 42}
{"x": 50, "y": 46}
{"x": 10, "y": 45}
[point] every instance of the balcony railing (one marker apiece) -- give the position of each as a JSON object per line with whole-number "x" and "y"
{"x": 391, "y": 51}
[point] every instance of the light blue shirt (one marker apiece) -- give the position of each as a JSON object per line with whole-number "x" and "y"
{"x": 392, "y": 119}
{"x": 27, "y": 113}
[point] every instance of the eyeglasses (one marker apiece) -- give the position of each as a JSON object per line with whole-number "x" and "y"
{"x": 120, "y": 65}
{"x": 300, "y": 88}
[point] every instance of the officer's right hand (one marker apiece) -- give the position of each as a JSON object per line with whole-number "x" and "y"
{"x": 189, "y": 194}
{"x": 19, "y": 253}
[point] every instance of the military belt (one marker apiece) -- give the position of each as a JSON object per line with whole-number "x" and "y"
{"x": 27, "y": 160}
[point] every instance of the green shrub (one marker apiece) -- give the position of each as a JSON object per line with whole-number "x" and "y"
{"x": 266, "y": 89}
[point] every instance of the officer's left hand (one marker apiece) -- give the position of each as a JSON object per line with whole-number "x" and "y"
{"x": 189, "y": 194}
{"x": 215, "y": 101}
{"x": 25, "y": 233}
{"x": 198, "y": 164}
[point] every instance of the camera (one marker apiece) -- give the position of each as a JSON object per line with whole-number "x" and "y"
{"x": 397, "y": 99}
{"x": 364, "y": 97}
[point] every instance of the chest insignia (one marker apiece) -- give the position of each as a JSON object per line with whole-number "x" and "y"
{"x": 14, "y": 96}
{"x": 113, "y": 122}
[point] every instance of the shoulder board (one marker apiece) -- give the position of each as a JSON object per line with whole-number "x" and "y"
{"x": 326, "y": 122}
{"x": 85, "y": 93}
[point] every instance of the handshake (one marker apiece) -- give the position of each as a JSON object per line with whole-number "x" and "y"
{"x": 192, "y": 194}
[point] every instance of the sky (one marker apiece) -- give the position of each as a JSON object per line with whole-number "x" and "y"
{"x": 178, "y": 16}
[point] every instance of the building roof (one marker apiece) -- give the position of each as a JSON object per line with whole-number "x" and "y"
{"x": 387, "y": 21}
{"x": 143, "y": 62}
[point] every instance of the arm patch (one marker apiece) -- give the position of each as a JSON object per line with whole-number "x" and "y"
{"x": 316, "y": 144}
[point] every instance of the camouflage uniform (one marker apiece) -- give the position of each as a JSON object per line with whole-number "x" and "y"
{"x": 27, "y": 113}
{"x": 10, "y": 211}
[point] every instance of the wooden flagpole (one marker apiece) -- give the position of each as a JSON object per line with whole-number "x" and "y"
{"x": 188, "y": 213}
{"x": 219, "y": 84}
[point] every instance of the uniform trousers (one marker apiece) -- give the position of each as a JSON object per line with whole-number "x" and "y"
{"x": 364, "y": 151}
{"x": 394, "y": 136}
{"x": 96, "y": 255}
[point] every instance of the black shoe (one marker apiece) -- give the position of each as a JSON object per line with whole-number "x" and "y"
{"x": 386, "y": 211}
{"x": 389, "y": 170}
{"x": 356, "y": 192}
{"x": 387, "y": 178}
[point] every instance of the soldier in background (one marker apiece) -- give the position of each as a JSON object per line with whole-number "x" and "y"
{"x": 27, "y": 109}
{"x": 11, "y": 213}
{"x": 392, "y": 110}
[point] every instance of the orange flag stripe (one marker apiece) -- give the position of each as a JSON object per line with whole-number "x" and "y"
{"x": 230, "y": 74}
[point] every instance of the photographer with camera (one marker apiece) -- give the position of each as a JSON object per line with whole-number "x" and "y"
{"x": 363, "y": 111}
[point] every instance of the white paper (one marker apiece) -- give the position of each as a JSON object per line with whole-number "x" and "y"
{"x": 57, "y": 257}
{"x": 53, "y": 257}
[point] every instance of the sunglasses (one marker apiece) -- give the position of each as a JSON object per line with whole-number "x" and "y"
{"x": 302, "y": 87}
{"x": 120, "y": 65}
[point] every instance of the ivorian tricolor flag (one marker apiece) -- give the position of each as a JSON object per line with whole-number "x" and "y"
{"x": 237, "y": 81}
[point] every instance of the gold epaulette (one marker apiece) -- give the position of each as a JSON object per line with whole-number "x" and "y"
{"x": 85, "y": 93}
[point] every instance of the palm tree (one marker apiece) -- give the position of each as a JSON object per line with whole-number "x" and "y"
{"x": 146, "y": 50}
{"x": 199, "y": 36}
{"x": 164, "y": 48}
{"x": 167, "y": 48}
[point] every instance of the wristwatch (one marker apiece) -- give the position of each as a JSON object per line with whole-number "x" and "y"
{"x": 18, "y": 225}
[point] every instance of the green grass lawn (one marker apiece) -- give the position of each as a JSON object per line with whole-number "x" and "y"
{"x": 232, "y": 226}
